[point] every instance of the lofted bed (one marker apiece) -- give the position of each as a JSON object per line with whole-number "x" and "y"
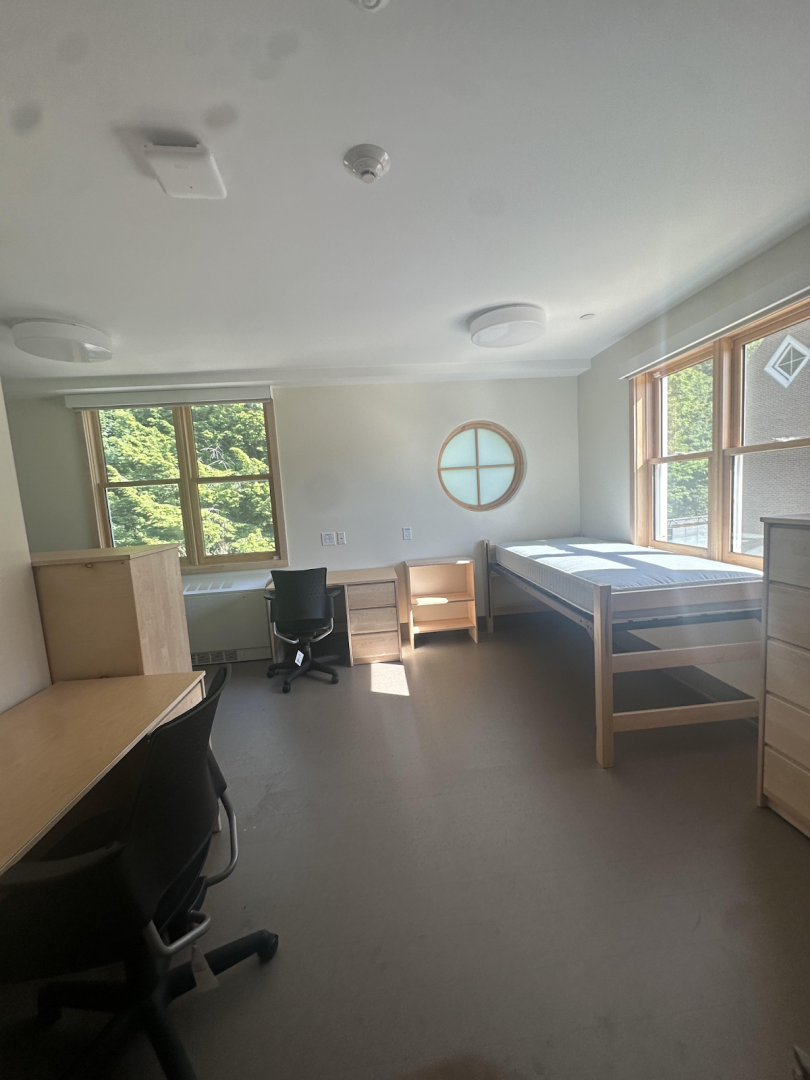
{"x": 605, "y": 587}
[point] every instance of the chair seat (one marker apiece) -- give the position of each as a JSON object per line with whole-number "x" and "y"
{"x": 303, "y": 626}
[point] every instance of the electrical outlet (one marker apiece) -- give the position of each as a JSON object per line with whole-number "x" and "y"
{"x": 407, "y": 533}
{"x": 327, "y": 539}
{"x": 341, "y": 537}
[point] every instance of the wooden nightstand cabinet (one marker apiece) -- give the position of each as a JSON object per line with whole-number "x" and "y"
{"x": 441, "y": 596}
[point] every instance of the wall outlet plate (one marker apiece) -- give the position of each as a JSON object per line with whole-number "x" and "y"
{"x": 407, "y": 533}
{"x": 327, "y": 539}
{"x": 341, "y": 537}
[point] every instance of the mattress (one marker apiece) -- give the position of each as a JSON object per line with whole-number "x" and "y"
{"x": 571, "y": 566}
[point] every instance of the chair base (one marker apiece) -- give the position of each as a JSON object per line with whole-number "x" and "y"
{"x": 306, "y": 666}
{"x": 141, "y": 1003}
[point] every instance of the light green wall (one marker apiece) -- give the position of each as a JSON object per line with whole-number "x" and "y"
{"x": 23, "y": 664}
{"x": 53, "y": 474}
{"x": 781, "y": 272}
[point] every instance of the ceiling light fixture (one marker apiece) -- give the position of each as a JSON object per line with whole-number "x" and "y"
{"x": 367, "y": 162}
{"x": 371, "y": 5}
{"x": 70, "y": 342}
{"x": 504, "y": 327}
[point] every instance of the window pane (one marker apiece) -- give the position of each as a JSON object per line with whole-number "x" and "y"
{"x": 146, "y": 515}
{"x": 230, "y": 439}
{"x": 462, "y": 484}
{"x": 494, "y": 482}
{"x": 686, "y": 410}
{"x": 139, "y": 444}
{"x": 777, "y": 386}
{"x": 459, "y": 451}
{"x": 237, "y": 517}
{"x": 682, "y": 503}
{"x": 772, "y": 483}
{"x": 493, "y": 449}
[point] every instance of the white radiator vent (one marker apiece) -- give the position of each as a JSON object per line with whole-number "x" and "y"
{"x": 229, "y": 656}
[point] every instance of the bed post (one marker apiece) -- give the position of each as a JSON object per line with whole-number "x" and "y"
{"x": 488, "y": 590}
{"x": 603, "y": 670}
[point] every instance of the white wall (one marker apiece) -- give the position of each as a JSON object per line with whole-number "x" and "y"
{"x": 361, "y": 459}
{"x": 23, "y": 664}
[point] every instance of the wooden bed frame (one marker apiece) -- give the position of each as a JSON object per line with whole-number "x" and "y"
{"x": 712, "y": 602}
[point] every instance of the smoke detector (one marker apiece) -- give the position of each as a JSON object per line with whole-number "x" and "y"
{"x": 70, "y": 342}
{"x": 367, "y": 162}
{"x": 371, "y": 5}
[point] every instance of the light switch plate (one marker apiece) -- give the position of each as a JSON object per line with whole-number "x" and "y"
{"x": 406, "y": 532}
{"x": 327, "y": 539}
{"x": 341, "y": 537}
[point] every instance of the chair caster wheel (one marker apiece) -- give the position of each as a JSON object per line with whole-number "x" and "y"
{"x": 286, "y": 688}
{"x": 335, "y": 679}
{"x": 268, "y": 948}
{"x": 270, "y": 674}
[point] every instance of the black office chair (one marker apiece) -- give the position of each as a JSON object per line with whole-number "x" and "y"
{"x": 137, "y": 898}
{"x": 302, "y": 611}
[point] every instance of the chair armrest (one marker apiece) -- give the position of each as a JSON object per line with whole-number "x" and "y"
{"x": 25, "y": 874}
{"x": 214, "y": 879}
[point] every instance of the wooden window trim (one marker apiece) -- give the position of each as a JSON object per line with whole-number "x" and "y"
{"x": 517, "y": 454}
{"x": 727, "y": 436}
{"x": 188, "y": 481}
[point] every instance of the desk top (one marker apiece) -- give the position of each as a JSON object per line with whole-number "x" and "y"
{"x": 57, "y": 744}
{"x": 357, "y": 577}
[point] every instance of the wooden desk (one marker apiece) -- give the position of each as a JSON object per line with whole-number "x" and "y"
{"x": 372, "y": 613}
{"x": 57, "y": 745}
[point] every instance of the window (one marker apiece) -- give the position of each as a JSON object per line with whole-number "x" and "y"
{"x": 201, "y": 476}
{"x": 722, "y": 438}
{"x": 480, "y": 465}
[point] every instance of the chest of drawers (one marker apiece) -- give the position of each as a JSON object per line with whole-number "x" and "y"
{"x": 784, "y": 723}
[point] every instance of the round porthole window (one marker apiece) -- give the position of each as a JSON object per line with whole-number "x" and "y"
{"x": 480, "y": 465}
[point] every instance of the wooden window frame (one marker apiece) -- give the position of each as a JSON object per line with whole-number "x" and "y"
{"x": 727, "y": 354}
{"x": 188, "y": 482}
{"x": 517, "y": 454}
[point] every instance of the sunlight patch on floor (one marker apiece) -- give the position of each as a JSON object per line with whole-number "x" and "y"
{"x": 389, "y": 679}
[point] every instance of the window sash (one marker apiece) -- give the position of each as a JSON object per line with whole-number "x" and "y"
{"x": 728, "y": 354}
{"x": 189, "y": 482}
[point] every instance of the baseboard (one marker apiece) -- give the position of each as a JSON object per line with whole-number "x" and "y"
{"x": 230, "y": 656}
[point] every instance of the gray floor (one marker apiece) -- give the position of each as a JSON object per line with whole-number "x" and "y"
{"x": 450, "y": 871}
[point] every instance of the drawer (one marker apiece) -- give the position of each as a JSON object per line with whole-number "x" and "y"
{"x": 380, "y": 594}
{"x": 369, "y": 647}
{"x": 789, "y": 555}
{"x": 789, "y": 614}
{"x": 787, "y": 729}
{"x": 788, "y": 673}
{"x": 789, "y": 784}
{"x": 372, "y": 620}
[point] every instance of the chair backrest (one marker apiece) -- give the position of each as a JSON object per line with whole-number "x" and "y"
{"x": 301, "y": 595}
{"x": 175, "y": 809}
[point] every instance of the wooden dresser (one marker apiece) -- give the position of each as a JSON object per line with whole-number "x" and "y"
{"x": 784, "y": 724}
{"x": 112, "y": 612}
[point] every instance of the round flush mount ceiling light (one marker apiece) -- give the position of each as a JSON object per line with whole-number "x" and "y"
{"x": 71, "y": 342}
{"x": 367, "y": 162}
{"x": 370, "y": 5}
{"x": 504, "y": 327}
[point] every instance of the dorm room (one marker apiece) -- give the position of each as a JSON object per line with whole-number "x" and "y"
{"x": 404, "y": 540}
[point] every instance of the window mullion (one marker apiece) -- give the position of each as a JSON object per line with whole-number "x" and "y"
{"x": 716, "y": 489}
{"x": 91, "y": 423}
{"x": 189, "y": 502}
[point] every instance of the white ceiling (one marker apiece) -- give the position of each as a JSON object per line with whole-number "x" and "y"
{"x": 581, "y": 154}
